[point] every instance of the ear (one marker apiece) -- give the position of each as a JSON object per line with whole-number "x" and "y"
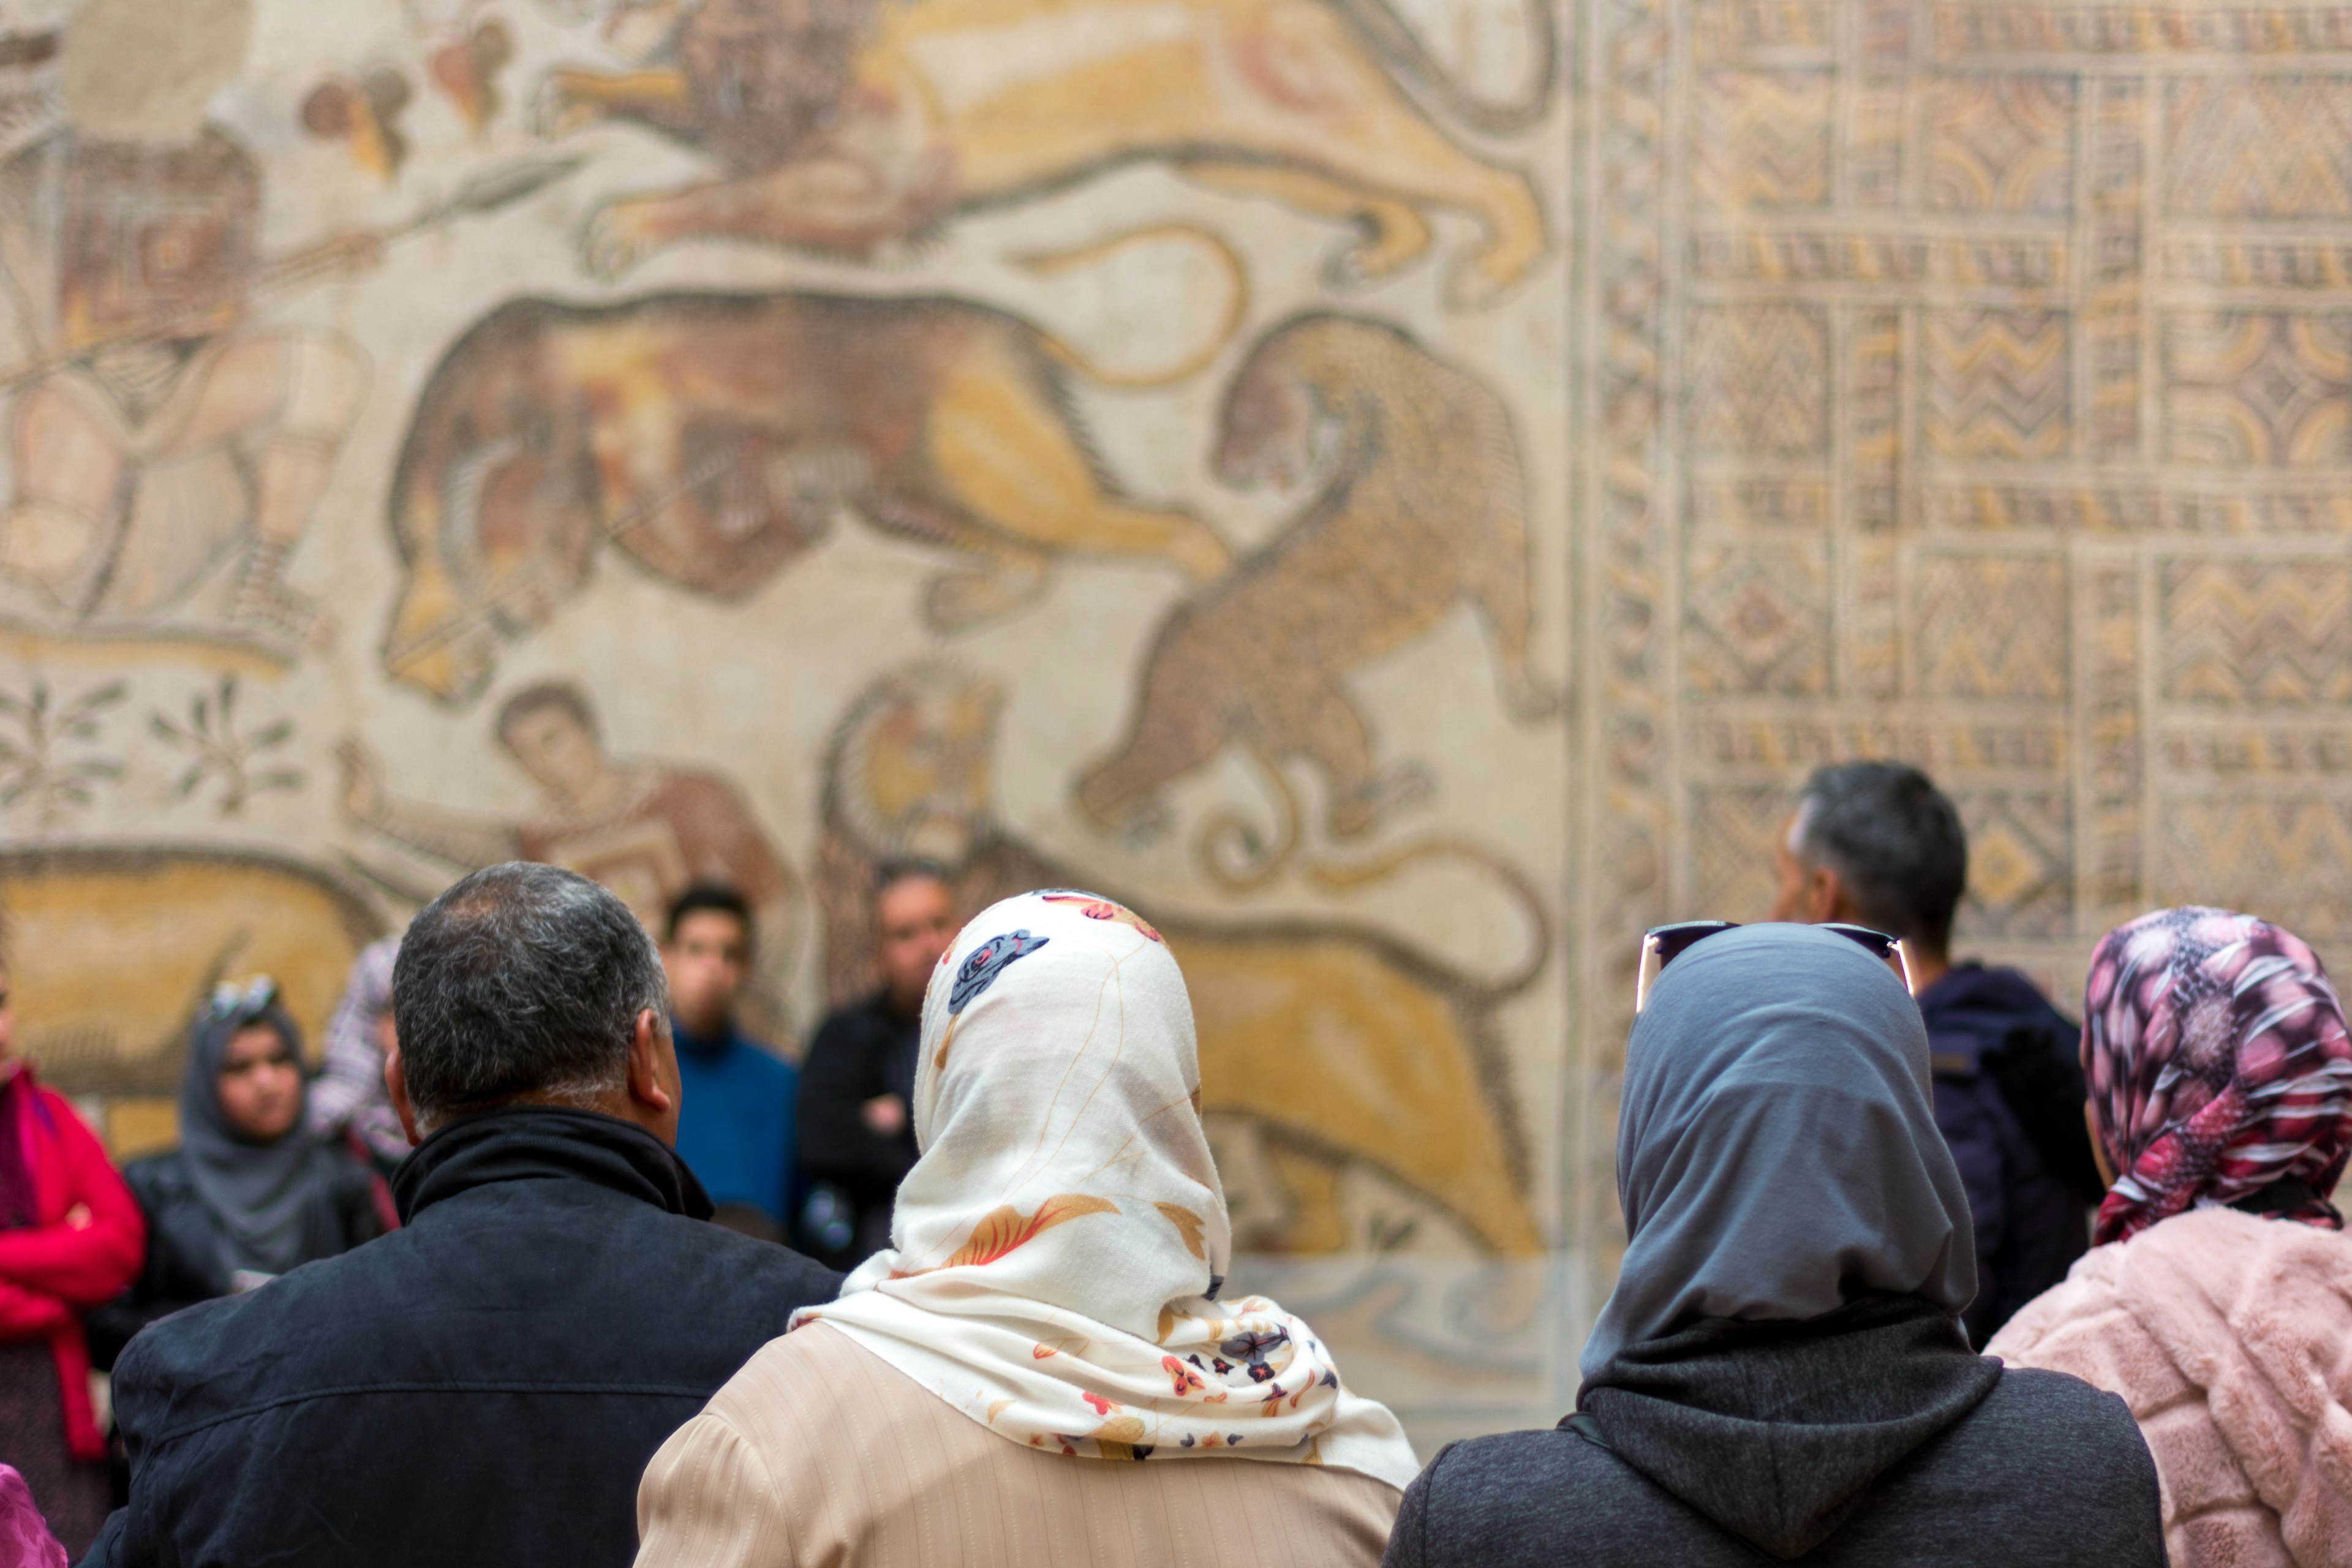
{"x": 653, "y": 1066}
{"x": 1825, "y": 898}
{"x": 395, "y": 1084}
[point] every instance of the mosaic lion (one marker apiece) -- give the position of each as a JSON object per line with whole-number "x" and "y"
{"x": 1338, "y": 1047}
{"x": 845, "y": 125}
{"x": 1423, "y": 507}
{"x": 713, "y": 437}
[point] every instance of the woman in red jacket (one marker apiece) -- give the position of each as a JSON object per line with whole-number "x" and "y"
{"x": 71, "y": 1238}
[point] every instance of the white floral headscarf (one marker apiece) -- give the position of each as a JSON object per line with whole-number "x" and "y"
{"x": 1057, "y": 1251}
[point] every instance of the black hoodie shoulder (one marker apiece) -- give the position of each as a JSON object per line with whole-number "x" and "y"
{"x": 2040, "y": 1469}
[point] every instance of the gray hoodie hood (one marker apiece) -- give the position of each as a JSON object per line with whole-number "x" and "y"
{"x": 1777, "y": 1431}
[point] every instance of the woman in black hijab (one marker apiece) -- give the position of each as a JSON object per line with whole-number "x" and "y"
{"x": 248, "y": 1194}
{"x": 1781, "y": 1374}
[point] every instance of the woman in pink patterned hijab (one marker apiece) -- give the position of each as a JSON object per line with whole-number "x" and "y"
{"x": 2220, "y": 1070}
{"x": 2221, "y": 1091}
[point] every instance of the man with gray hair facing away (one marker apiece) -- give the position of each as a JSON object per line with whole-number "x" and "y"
{"x": 486, "y": 1384}
{"x": 1877, "y": 844}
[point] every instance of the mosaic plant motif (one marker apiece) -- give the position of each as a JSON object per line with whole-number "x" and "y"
{"x": 50, "y": 763}
{"x": 224, "y": 756}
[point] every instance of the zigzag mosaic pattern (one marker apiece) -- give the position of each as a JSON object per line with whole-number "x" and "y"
{"x": 1998, "y": 384}
{"x": 1991, "y": 626}
{"x": 2246, "y": 635}
{"x": 1760, "y": 380}
{"x": 1764, "y": 140}
{"x": 2007, "y": 420}
{"x": 2282, "y": 857}
{"x": 2258, "y": 147}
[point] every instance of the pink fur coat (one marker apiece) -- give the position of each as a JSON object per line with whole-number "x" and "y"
{"x": 2231, "y": 1338}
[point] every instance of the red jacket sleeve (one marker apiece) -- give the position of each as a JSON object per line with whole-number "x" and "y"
{"x": 80, "y": 1265}
{"x": 28, "y": 1314}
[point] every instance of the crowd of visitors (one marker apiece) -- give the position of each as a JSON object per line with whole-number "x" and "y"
{"x": 1917, "y": 1269}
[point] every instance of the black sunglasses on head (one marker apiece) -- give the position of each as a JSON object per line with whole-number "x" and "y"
{"x": 1661, "y": 946}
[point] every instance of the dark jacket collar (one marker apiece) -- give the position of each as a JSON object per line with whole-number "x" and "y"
{"x": 546, "y": 1143}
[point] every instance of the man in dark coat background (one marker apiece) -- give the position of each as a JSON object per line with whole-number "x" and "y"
{"x": 858, "y": 1086}
{"x": 486, "y": 1384}
{"x": 1877, "y": 844}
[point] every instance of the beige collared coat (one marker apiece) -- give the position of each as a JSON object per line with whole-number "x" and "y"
{"x": 820, "y": 1453}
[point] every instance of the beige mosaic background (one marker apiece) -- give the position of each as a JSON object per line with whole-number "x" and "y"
{"x": 1970, "y": 384}
{"x": 1399, "y": 491}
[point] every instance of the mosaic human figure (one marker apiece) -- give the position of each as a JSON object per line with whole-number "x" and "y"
{"x": 645, "y": 830}
{"x": 158, "y": 433}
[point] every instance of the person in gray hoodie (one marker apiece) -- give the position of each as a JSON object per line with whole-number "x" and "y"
{"x": 1781, "y": 1374}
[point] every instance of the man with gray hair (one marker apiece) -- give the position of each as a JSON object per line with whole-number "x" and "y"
{"x": 486, "y": 1383}
{"x": 1877, "y": 844}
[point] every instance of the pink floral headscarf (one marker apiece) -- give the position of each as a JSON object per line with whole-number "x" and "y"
{"x": 2218, "y": 1063}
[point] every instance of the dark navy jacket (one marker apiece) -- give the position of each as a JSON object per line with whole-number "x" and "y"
{"x": 484, "y": 1385}
{"x": 2009, "y": 1100}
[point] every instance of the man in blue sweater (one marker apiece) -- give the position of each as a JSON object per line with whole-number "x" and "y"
{"x": 735, "y": 1123}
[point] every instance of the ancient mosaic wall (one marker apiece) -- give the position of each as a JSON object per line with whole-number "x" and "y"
{"x": 1970, "y": 384}
{"x": 1115, "y": 444}
{"x": 1398, "y": 490}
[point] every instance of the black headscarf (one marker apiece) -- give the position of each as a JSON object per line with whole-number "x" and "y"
{"x": 259, "y": 1192}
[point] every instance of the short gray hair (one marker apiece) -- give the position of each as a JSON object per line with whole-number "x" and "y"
{"x": 522, "y": 980}
{"x": 1894, "y": 839}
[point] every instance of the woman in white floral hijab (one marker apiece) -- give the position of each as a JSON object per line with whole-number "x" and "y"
{"x": 1051, "y": 1301}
